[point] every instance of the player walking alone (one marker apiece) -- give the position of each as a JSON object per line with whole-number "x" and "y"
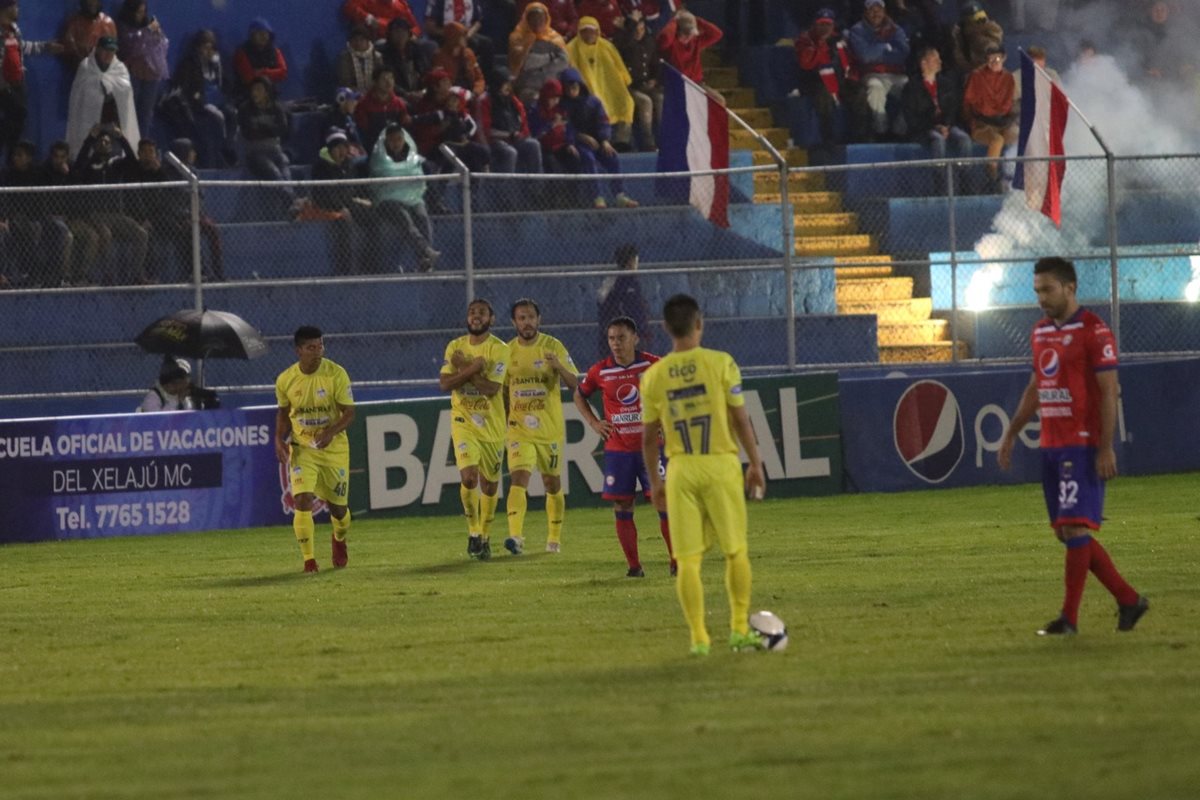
{"x": 315, "y": 408}
{"x": 693, "y": 398}
{"x": 618, "y": 378}
{"x": 1074, "y": 384}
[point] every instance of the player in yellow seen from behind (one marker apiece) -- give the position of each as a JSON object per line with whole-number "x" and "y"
{"x": 538, "y": 364}
{"x": 473, "y": 372}
{"x": 693, "y": 397}
{"x": 315, "y": 408}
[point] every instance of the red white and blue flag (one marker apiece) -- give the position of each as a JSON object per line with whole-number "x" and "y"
{"x": 1043, "y": 120}
{"x": 695, "y": 138}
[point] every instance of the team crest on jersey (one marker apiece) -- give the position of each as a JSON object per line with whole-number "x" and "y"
{"x": 610, "y": 480}
{"x": 532, "y": 421}
{"x": 539, "y": 364}
{"x": 1048, "y": 363}
{"x": 627, "y": 394}
{"x": 462, "y": 447}
{"x": 321, "y": 393}
{"x": 927, "y": 427}
{"x": 1109, "y": 352}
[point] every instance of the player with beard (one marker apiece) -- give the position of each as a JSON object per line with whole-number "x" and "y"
{"x": 538, "y": 364}
{"x": 473, "y": 373}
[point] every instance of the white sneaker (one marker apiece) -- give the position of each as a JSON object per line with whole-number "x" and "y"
{"x": 551, "y": 547}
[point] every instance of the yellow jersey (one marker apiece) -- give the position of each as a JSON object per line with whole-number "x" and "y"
{"x": 534, "y": 390}
{"x": 691, "y": 393}
{"x": 473, "y": 412}
{"x": 313, "y": 401}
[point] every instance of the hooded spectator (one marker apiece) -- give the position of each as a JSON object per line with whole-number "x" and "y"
{"x": 345, "y": 206}
{"x": 408, "y": 58}
{"x": 258, "y": 57}
{"x": 457, "y": 59}
{"x": 973, "y": 36}
{"x": 359, "y": 60}
{"x": 467, "y": 13}
{"x": 504, "y": 127}
{"x": 562, "y": 15}
{"x": 83, "y": 30}
{"x": 604, "y": 73}
{"x": 826, "y": 76}
{"x": 142, "y": 46}
{"x": 401, "y": 203}
{"x": 101, "y": 93}
{"x": 199, "y": 106}
{"x": 593, "y": 136}
{"x": 105, "y": 158}
{"x": 536, "y": 52}
{"x": 606, "y": 13}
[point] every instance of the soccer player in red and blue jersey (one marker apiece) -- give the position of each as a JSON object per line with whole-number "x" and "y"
{"x": 1074, "y": 386}
{"x": 618, "y": 378}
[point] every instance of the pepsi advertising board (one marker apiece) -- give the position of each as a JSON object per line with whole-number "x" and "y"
{"x": 944, "y": 429}
{"x": 91, "y": 477}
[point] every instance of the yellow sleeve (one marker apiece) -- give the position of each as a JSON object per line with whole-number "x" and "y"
{"x": 447, "y": 369}
{"x": 650, "y": 411}
{"x": 281, "y": 391}
{"x": 564, "y": 356}
{"x": 733, "y": 383}
{"x": 498, "y": 368}
{"x": 343, "y": 395}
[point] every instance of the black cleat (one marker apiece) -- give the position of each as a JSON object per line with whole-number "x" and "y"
{"x": 635, "y": 572}
{"x": 474, "y": 545}
{"x": 674, "y": 569}
{"x": 1128, "y": 616}
{"x": 1058, "y": 627}
{"x": 485, "y": 551}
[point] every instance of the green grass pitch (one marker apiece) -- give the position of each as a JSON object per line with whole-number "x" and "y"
{"x": 208, "y": 666}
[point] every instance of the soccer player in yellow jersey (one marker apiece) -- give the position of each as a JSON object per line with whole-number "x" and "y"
{"x": 538, "y": 363}
{"x": 315, "y": 408}
{"x": 473, "y": 373}
{"x": 693, "y": 397}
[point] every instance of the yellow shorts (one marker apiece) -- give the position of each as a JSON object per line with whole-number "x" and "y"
{"x": 471, "y": 452}
{"x": 545, "y": 456}
{"x": 706, "y": 502}
{"x": 323, "y": 474}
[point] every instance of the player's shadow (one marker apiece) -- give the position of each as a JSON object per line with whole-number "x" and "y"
{"x": 247, "y": 581}
{"x": 458, "y": 565}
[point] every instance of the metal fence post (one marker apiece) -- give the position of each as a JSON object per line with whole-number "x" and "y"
{"x": 468, "y": 234}
{"x": 1114, "y": 266}
{"x": 952, "y": 231}
{"x": 197, "y": 265}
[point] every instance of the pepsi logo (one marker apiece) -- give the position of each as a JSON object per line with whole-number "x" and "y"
{"x": 1048, "y": 363}
{"x": 627, "y": 394}
{"x": 928, "y": 430}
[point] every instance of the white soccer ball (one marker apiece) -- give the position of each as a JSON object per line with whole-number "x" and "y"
{"x": 771, "y": 629}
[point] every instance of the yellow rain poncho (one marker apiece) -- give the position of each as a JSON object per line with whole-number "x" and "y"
{"x": 604, "y": 73}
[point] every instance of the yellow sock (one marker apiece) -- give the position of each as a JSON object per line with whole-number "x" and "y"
{"x": 690, "y": 591}
{"x": 470, "y": 504}
{"x": 487, "y": 513}
{"x": 341, "y": 526}
{"x": 302, "y": 524}
{"x": 518, "y": 502}
{"x": 556, "y": 509}
{"x": 737, "y": 584}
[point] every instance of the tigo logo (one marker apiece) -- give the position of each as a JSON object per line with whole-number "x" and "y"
{"x": 928, "y": 430}
{"x": 1048, "y": 363}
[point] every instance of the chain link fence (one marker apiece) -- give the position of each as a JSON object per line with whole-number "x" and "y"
{"x": 899, "y": 262}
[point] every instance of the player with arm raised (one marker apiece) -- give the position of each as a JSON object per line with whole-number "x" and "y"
{"x": 538, "y": 364}
{"x": 316, "y": 406}
{"x": 693, "y": 398}
{"x": 473, "y": 373}
{"x": 617, "y": 378}
{"x": 1074, "y": 385}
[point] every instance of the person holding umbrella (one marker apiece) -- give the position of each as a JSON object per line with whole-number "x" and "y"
{"x": 316, "y": 406}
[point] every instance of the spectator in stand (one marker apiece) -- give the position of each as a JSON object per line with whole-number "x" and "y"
{"x": 70, "y": 208}
{"x": 461, "y": 131}
{"x": 1044, "y": 14}
{"x": 345, "y": 207}
{"x": 607, "y": 13}
{"x": 880, "y": 50}
{"x": 973, "y": 37}
{"x": 214, "y": 269}
{"x": 457, "y": 59}
{"x": 604, "y": 73}
{"x": 358, "y": 61}
{"x": 469, "y": 14}
{"x": 166, "y": 215}
{"x": 342, "y": 115}
{"x": 379, "y": 108}
{"x": 639, "y": 51}
{"x": 827, "y": 78}
{"x": 504, "y": 128}
{"x": 40, "y": 240}
{"x": 105, "y": 159}
{"x": 83, "y": 30}
{"x": 258, "y": 57}
{"x": 14, "y": 100}
{"x": 142, "y": 45}
{"x": 593, "y": 136}
{"x": 442, "y": 117}
{"x": 1038, "y": 56}
{"x": 932, "y": 104}
{"x": 562, "y": 15}
{"x": 264, "y": 126}
{"x": 548, "y": 124}
{"x": 101, "y": 93}
{"x": 408, "y": 59}
{"x": 988, "y": 104}
{"x": 656, "y": 12}
{"x": 681, "y": 42}
{"x": 198, "y": 106}
{"x": 378, "y": 15}
{"x": 536, "y": 52}
{"x": 402, "y": 203}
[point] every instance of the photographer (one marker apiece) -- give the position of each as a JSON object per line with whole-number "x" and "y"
{"x": 175, "y": 391}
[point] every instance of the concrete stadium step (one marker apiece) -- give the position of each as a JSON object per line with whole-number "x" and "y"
{"x": 794, "y": 156}
{"x": 877, "y": 260}
{"x": 739, "y": 98}
{"x": 711, "y": 58}
{"x": 805, "y": 202}
{"x": 754, "y": 117}
{"x": 857, "y": 244}
{"x": 740, "y": 138}
{"x": 937, "y": 352}
{"x": 931, "y": 331}
{"x": 798, "y": 182}
{"x": 892, "y": 312}
{"x": 851, "y": 273}
{"x": 826, "y": 224}
{"x": 868, "y": 290}
{"x": 722, "y": 78}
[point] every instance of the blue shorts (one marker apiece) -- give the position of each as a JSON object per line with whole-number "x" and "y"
{"x": 1074, "y": 493}
{"x": 622, "y": 473}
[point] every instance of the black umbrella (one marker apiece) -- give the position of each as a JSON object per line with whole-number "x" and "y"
{"x": 207, "y": 334}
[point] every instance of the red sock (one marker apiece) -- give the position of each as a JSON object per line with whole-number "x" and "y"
{"x": 627, "y": 534}
{"x": 1075, "y": 577}
{"x": 666, "y": 534}
{"x": 1107, "y": 573}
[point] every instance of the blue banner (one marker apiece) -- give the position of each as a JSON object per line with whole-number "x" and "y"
{"x": 944, "y": 429}
{"x": 89, "y": 477}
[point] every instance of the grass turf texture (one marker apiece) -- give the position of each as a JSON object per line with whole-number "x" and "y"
{"x": 207, "y": 665}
